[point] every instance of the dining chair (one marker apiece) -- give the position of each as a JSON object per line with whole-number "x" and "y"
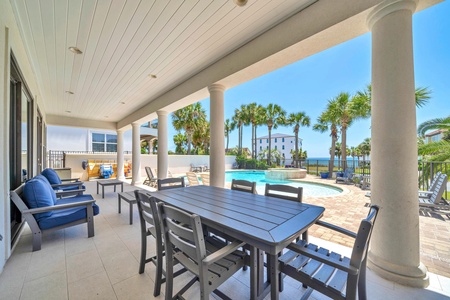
{"x": 151, "y": 226}
{"x": 170, "y": 183}
{"x": 192, "y": 179}
{"x": 243, "y": 186}
{"x": 210, "y": 260}
{"x": 329, "y": 273}
{"x": 205, "y": 178}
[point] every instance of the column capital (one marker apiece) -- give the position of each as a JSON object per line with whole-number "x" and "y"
{"x": 121, "y": 130}
{"x": 162, "y": 113}
{"x": 135, "y": 124}
{"x": 387, "y": 7}
{"x": 216, "y": 87}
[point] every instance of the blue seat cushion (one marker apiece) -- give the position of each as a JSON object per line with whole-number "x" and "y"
{"x": 65, "y": 216}
{"x": 73, "y": 199}
{"x": 70, "y": 188}
{"x": 44, "y": 179}
{"x": 37, "y": 194}
{"x": 51, "y": 176}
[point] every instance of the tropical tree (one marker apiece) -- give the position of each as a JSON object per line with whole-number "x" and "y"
{"x": 365, "y": 148}
{"x": 439, "y": 150}
{"x": 254, "y": 112}
{"x": 239, "y": 119}
{"x": 201, "y": 137}
{"x": 180, "y": 141}
{"x": 327, "y": 121}
{"x": 297, "y": 119}
{"x": 228, "y": 127}
{"x": 274, "y": 115}
{"x": 189, "y": 119}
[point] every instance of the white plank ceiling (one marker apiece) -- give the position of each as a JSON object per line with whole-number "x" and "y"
{"x": 124, "y": 41}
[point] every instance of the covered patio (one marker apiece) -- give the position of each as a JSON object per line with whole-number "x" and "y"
{"x": 191, "y": 52}
{"x": 71, "y": 266}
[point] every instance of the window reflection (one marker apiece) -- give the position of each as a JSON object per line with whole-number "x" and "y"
{"x": 24, "y": 135}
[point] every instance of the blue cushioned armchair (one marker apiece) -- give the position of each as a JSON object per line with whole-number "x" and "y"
{"x": 41, "y": 209}
{"x": 72, "y": 186}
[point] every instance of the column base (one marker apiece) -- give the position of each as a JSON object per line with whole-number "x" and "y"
{"x": 121, "y": 178}
{"x": 136, "y": 183}
{"x": 404, "y": 275}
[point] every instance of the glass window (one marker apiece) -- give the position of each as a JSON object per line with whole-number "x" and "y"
{"x": 111, "y": 147}
{"x": 260, "y": 141}
{"x": 275, "y": 147}
{"x": 282, "y": 147}
{"x": 98, "y": 138}
{"x": 275, "y": 140}
{"x": 282, "y": 139}
{"x": 104, "y": 142}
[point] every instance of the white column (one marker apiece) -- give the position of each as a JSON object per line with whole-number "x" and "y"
{"x": 217, "y": 145}
{"x": 120, "y": 160}
{"x": 163, "y": 144}
{"x": 394, "y": 252}
{"x": 136, "y": 154}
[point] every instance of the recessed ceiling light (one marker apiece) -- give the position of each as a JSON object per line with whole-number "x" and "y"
{"x": 68, "y": 111}
{"x": 75, "y": 50}
{"x": 122, "y": 102}
{"x": 152, "y": 75}
{"x": 107, "y": 117}
{"x": 69, "y": 92}
{"x": 240, "y": 2}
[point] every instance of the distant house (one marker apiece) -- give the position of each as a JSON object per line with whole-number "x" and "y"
{"x": 284, "y": 143}
{"x": 435, "y": 136}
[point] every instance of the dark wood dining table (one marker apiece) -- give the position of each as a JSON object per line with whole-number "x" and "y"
{"x": 266, "y": 224}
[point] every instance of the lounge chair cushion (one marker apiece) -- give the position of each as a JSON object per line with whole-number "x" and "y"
{"x": 51, "y": 176}
{"x": 37, "y": 194}
{"x": 65, "y": 216}
{"x": 52, "y": 192}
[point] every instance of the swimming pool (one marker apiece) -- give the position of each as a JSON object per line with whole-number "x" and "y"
{"x": 309, "y": 189}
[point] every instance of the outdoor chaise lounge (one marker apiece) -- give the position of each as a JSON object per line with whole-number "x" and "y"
{"x": 38, "y": 204}
{"x": 436, "y": 202}
{"x": 433, "y": 183}
{"x": 151, "y": 180}
{"x": 192, "y": 178}
{"x": 346, "y": 177}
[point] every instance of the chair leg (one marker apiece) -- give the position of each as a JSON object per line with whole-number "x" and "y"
{"x": 362, "y": 294}
{"x": 159, "y": 270}
{"x": 143, "y": 252}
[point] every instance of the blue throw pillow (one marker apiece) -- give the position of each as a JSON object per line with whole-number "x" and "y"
{"x": 52, "y": 191}
{"x": 37, "y": 194}
{"x": 51, "y": 176}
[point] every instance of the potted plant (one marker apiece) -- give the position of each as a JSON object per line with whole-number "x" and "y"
{"x": 324, "y": 175}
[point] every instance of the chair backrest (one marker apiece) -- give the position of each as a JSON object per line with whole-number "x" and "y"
{"x": 205, "y": 178}
{"x": 283, "y": 191}
{"x": 243, "y": 186}
{"x": 434, "y": 181}
{"x": 182, "y": 230}
{"x": 348, "y": 172}
{"x": 148, "y": 213}
{"x": 170, "y": 183}
{"x": 149, "y": 172}
{"x": 361, "y": 246}
{"x": 51, "y": 176}
{"x": 439, "y": 189}
{"x": 192, "y": 178}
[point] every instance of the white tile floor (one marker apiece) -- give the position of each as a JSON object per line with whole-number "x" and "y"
{"x": 72, "y": 266}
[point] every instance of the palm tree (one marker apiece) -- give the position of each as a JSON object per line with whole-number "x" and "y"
{"x": 440, "y": 150}
{"x": 274, "y": 115}
{"x": 229, "y": 127}
{"x": 328, "y": 121}
{"x": 179, "y": 140}
{"x": 254, "y": 112}
{"x": 422, "y": 96}
{"x": 239, "y": 119}
{"x": 365, "y": 148}
{"x": 188, "y": 119}
{"x": 298, "y": 119}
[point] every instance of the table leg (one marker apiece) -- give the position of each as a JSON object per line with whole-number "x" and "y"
{"x": 121, "y": 184}
{"x": 274, "y": 279}
{"x": 97, "y": 187}
{"x": 131, "y": 213}
{"x": 103, "y": 191}
{"x": 119, "y": 204}
{"x": 114, "y": 188}
{"x": 253, "y": 273}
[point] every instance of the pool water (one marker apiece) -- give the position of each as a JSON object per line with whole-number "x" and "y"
{"x": 309, "y": 189}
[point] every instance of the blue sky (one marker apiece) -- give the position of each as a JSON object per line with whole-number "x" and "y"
{"x": 308, "y": 84}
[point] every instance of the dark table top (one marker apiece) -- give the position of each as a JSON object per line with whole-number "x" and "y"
{"x": 267, "y": 223}
{"x": 109, "y": 181}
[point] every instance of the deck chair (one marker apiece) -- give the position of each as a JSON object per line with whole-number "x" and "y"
{"x": 192, "y": 178}
{"x": 151, "y": 179}
{"x": 329, "y": 273}
{"x": 210, "y": 260}
{"x": 436, "y": 202}
{"x": 170, "y": 183}
{"x": 205, "y": 178}
{"x": 243, "y": 186}
{"x": 151, "y": 226}
{"x": 58, "y": 184}
{"x": 432, "y": 187}
{"x": 346, "y": 177}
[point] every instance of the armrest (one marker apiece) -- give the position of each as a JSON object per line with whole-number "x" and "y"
{"x": 58, "y": 206}
{"x": 71, "y": 179}
{"x": 336, "y": 228}
{"x": 78, "y": 183}
{"x": 68, "y": 193}
{"x": 219, "y": 254}
{"x": 323, "y": 258}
